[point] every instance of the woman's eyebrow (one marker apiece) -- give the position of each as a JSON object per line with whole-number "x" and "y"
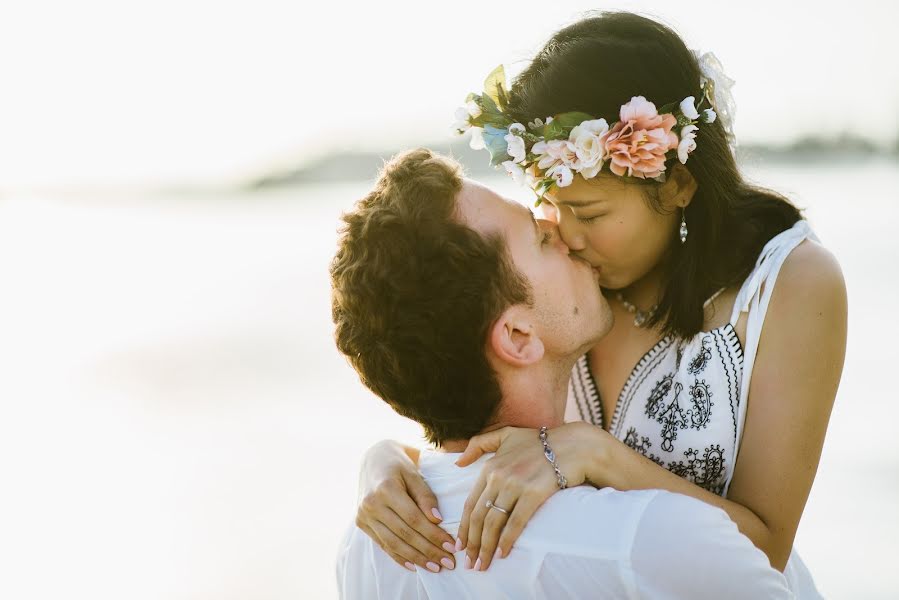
{"x": 579, "y": 203}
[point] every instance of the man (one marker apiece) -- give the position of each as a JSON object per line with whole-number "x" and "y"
{"x": 466, "y": 314}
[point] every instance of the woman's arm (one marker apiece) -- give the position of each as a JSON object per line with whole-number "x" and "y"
{"x": 398, "y": 510}
{"x": 794, "y": 383}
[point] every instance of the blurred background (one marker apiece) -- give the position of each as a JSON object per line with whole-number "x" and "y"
{"x": 176, "y": 422}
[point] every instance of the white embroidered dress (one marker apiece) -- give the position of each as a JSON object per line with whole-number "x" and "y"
{"x": 684, "y": 404}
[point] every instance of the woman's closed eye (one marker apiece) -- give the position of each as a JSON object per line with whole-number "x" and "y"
{"x": 587, "y": 220}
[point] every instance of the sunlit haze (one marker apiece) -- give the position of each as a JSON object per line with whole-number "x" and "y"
{"x": 198, "y": 92}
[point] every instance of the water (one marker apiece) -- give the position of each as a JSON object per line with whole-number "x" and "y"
{"x": 178, "y": 424}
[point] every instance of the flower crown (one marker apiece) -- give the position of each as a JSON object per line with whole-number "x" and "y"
{"x": 638, "y": 145}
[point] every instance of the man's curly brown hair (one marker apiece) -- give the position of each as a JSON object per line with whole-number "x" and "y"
{"x": 414, "y": 294}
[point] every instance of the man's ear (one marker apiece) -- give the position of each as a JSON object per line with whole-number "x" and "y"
{"x": 513, "y": 338}
{"x": 678, "y": 189}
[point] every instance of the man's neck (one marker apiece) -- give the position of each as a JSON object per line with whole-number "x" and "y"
{"x": 532, "y": 397}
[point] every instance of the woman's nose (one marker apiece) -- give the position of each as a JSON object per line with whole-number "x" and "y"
{"x": 570, "y": 234}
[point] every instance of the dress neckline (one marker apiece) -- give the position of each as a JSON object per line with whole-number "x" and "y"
{"x": 650, "y": 354}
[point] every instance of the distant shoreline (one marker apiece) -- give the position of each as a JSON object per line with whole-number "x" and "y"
{"x": 362, "y": 166}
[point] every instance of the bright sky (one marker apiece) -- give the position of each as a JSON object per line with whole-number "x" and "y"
{"x": 113, "y": 92}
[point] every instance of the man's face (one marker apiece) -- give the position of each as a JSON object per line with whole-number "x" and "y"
{"x": 570, "y": 311}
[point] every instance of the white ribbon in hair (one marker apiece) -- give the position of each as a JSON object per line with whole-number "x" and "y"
{"x": 716, "y": 86}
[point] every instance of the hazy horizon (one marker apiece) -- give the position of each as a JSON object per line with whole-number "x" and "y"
{"x": 197, "y": 93}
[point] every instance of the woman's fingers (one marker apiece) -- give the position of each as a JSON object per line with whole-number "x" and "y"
{"x": 402, "y": 553}
{"x": 476, "y": 525}
{"x": 494, "y": 523}
{"x": 426, "y": 554}
{"x": 470, "y": 505}
{"x": 525, "y": 508}
{"x": 410, "y": 511}
{"x": 479, "y": 444}
{"x": 390, "y": 506}
{"x": 422, "y": 495}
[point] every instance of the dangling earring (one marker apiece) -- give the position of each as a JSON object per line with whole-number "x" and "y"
{"x": 683, "y": 227}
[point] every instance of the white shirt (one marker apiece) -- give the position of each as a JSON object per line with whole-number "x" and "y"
{"x": 582, "y": 543}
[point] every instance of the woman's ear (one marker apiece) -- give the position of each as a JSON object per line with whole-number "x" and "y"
{"x": 678, "y": 189}
{"x": 513, "y": 338}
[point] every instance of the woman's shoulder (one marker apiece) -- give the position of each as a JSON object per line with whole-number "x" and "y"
{"x": 811, "y": 270}
{"x": 810, "y": 285}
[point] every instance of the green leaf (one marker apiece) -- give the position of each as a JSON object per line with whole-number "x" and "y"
{"x": 669, "y": 108}
{"x": 487, "y": 104}
{"x": 497, "y": 120}
{"x": 495, "y": 86}
{"x": 562, "y": 125}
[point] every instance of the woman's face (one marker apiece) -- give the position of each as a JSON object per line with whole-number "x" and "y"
{"x": 608, "y": 223}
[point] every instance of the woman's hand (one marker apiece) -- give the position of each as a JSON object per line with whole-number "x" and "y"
{"x": 399, "y": 512}
{"x": 520, "y": 479}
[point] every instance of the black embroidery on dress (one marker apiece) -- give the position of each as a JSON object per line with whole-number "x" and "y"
{"x": 732, "y": 371}
{"x": 642, "y": 446}
{"x": 697, "y": 365}
{"x": 702, "y": 404}
{"x": 661, "y": 389}
{"x": 705, "y": 472}
{"x": 672, "y": 419}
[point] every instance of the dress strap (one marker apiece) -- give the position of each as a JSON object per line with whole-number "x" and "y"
{"x": 768, "y": 266}
{"x": 754, "y": 297}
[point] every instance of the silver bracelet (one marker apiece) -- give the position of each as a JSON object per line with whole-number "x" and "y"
{"x": 551, "y": 457}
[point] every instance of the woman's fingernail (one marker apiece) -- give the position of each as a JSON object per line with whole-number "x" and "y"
{"x": 477, "y": 564}
{"x": 498, "y": 553}
{"x": 467, "y": 562}
{"x": 436, "y": 513}
{"x": 449, "y": 547}
{"x": 433, "y": 567}
{"x": 459, "y": 545}
{"x": 447, "y": 563}
{"x": 410, "y": 566}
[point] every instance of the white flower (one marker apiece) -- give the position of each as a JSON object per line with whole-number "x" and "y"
{"x": 687, "y": 142}
{"x": 516, "y": 171}
{"x": 477, "y": 139}
{"x": 562, "y": 174}
{"x": 461, "y": 124}
{"x": 687, "y": 107}
{"x": 709, "y": 115}
{"x": 515, "y": 147}
{"x": 556, "y": 151}
{"x": 588, "y": 146}
{"x": 516, "y": 128}
{"x": 473, "y": 109}
{"x": 544, "y": 157}
{"x": 535, "y": 124}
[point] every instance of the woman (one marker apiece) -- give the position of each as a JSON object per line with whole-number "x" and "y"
{"x": 714, "y": 284}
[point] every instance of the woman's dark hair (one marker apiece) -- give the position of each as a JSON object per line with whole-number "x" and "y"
{"x": 600, "y": 63}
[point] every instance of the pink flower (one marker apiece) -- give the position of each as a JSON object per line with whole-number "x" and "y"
{"x": 636, "y": 145}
